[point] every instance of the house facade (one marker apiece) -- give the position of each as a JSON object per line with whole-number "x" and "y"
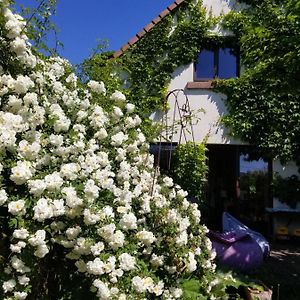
{"x": 236, "y": 182}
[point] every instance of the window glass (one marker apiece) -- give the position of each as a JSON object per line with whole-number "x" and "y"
{"x": 205, "y": 64}
{"x": 253, "y": 192}
{"x": 227, "y": 63}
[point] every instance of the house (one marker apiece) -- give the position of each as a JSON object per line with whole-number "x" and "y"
{"x": 236, "y": 183}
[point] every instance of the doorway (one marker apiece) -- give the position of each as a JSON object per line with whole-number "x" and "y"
{"x": 238, "y": 184}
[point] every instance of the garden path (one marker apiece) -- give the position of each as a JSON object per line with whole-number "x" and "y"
{"x": 281, "y": 271}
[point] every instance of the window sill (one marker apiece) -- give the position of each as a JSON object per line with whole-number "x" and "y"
{"x": 200, "y": 85}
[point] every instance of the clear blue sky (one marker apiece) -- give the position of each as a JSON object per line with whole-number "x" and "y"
{"x": 81, "y": 23}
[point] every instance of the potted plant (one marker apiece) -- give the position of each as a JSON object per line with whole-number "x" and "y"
{"x": 258, "y": 292}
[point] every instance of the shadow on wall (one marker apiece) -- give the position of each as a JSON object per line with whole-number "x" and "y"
{"x": 201, "y": 120}
{"x": 210, "y": 125}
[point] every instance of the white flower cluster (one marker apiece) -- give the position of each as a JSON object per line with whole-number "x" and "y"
{"x": 81, "y": 177}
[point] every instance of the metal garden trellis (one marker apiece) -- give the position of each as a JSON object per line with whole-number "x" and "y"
{"x": 185, "y": 123}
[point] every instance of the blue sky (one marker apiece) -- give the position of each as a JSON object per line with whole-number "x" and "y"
{"x": 81, "y": 23}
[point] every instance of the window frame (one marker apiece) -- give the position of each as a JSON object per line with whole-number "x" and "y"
{"x": 216, "y": 64}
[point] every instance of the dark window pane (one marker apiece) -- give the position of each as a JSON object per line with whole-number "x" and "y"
{"x": 227, "y": 63}
{"x": 205, "y": 65}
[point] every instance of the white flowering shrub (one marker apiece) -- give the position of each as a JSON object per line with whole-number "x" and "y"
{"x": 78, "y": 185}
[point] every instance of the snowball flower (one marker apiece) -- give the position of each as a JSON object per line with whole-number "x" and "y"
{"x": 142, "y": 284}
{"x": 117, "y": 240}
{"x": 37, "y": 186}
{"x": 130, "y": 107}
{"x": 21, "y": 172}
{"x": 9, "y": 285}
{"x": 23, "y": 280}
{"x": 53, "y": 181}
{"x": 73, "y": 232}
{"x": 146, "y": 237}
{"x": 118, "y": 97}
{"x": 38, "y": 238}
{"x": 42, "y": 210}
{"x": 128, "y": 221}
{"x": 17, "y": 207}
{"x": 103, "y": 290}
{"x": 97, "y": 248}
{"x": 101, "y": 134}
{"x": 41, "y": 251}
{"x": 22, "y": 84}
{"x": 29, "y": 151}
{"x": 97, "y": 87}
{"x": 3, "y": 196}
{"x": 21, "y": 233}
{"x": 118, "y": 139}
{"x": 95, "y": 267}
{"x": 20, "y": 295}
{"x": 19, "y": 265}
{"x": 176, "y": 292}
{"x": 69, "y": 171}
{"x": 127, "y": 262}
{"x": 156, "y": 260}
{"x": 191, "y": 263}
{"x": 168, "y": 181}
{"x": 91, "y": 190}
{"x": 117, "y": 113}
{"x": 17, "y": 248}
{"x": 56, "y": 140}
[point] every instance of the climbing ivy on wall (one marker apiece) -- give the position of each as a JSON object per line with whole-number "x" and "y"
{"x": 149, "y": 64}
{"x": 264, "y": 102}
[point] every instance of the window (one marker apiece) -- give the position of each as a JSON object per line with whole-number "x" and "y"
{"x": 217, "y": 63}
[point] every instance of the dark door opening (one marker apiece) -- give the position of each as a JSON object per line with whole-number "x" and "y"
{"x": 239, "y": 185}
{"x": 223, "y": 174}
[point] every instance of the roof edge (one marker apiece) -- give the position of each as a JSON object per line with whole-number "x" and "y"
{"x": 147, "y": 28}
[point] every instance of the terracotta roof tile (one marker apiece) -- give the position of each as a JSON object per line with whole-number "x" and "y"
{"x": 156, "y": 20}
{"x": 172, "y": 6}
{"x": 133, "y": 40}
{"x": 125, "y": 47}
{"x": 147, "y": 28}
{"x": 164, "y": 13}
{"x": 117, "y": 53}
{"x": 141, "y": 33}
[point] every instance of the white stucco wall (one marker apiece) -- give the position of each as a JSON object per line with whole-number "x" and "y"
{"x": 286, "y": 170}
{"x": 206, "y": 105}
{"x": 219, "y": 7}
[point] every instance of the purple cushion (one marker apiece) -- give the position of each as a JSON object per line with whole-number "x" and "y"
{"x": 228, "y": 237}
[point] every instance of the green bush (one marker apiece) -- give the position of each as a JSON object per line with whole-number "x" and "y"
{"x": 287, "y": 190}
{"x": 190, "y": 169}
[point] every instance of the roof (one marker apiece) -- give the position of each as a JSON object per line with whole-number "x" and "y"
{"x": 148, "y": 27}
